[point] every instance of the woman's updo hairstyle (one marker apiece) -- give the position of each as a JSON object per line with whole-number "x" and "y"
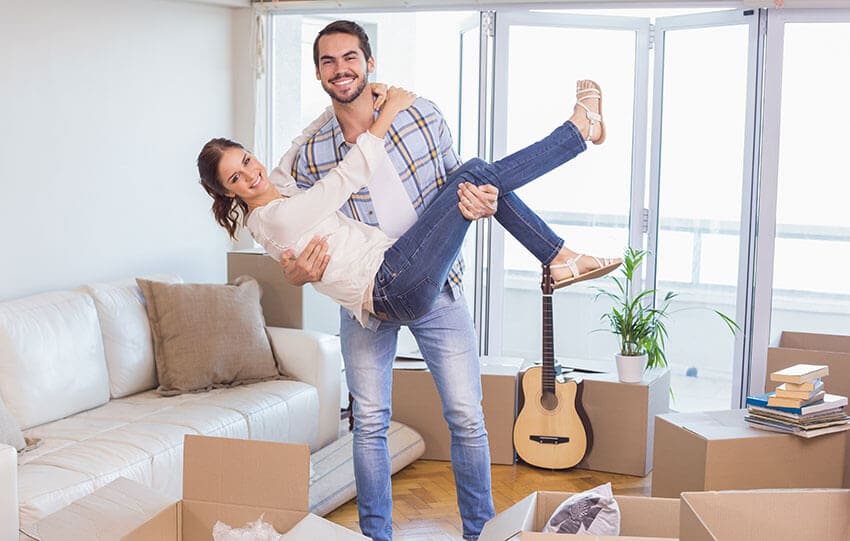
{"x": 228, "y": 210}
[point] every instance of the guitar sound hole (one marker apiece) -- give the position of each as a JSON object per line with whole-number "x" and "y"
{"x": 549, "y": 401}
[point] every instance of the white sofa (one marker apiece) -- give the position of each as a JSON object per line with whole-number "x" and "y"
{"x": 77, "y": 371}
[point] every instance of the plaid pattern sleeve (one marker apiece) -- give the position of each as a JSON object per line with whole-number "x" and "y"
{"x": 419, "y": 145}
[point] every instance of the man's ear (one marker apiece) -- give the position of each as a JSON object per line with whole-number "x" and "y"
{"x": 370, "y": 65}
{"x": 318, "y": 75}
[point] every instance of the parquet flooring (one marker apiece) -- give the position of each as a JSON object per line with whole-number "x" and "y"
{"x": 425, "y": 508}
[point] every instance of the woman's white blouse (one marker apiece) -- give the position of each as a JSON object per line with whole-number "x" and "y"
{"x": 356, "y": 250}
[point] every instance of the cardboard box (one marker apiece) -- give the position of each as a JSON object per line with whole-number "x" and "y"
{"x": 622, "y": 418}
{"x": 765, "y": 515}
{"x": 810, "y": 348}
{"x": 417, "y": 404}
{"x": 282, "y": 303}
{"x": 640, "y": 518}
{"x": 719, "y": 451}
{"x": 234, "y": 481}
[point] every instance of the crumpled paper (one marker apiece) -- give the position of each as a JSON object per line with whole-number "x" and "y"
{"x": 253, "y": 531}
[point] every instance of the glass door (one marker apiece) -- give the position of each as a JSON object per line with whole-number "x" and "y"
{"x": 805, "y": 226}
{"x": 588, "y": 201}
{"x": 700, "y": 195}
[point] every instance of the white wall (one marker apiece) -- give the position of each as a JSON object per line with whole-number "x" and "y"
{"x": 104, "y": 106}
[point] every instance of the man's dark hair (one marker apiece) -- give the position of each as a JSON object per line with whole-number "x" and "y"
{"x": 343, "y": 27}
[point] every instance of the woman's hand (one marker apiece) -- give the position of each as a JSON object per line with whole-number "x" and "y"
{"x": 398, "y": 99}
{"x": 379, "y": 94}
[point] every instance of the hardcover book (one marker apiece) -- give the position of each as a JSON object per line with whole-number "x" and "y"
{"x": 800, "y": 373}
{"x": 806, "y": 386}
{"x": 783, "y": 391}
{"x": 775, "y": 400}
{"x": 829, "y": 402}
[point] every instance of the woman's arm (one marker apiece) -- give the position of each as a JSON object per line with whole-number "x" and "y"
{"x": 397, "y": 100}
{"x": 280, "y": 176}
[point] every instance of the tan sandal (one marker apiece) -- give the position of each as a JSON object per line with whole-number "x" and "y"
{"x": 604, "y": 266}
{"x": 595, "y": 118}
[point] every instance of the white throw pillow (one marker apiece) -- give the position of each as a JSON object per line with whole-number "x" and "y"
{"x": 592, "y": 512}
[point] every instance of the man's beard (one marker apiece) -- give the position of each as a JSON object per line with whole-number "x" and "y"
{"x": 328, "y": 87}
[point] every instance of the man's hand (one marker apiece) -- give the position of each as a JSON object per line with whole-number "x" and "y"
{"x": 477, "y": 201}
{"x": 307, "y": 267}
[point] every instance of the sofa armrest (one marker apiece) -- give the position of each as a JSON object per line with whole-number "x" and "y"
{"x": 9, "y": 493}
{"x": 314, "y": 358}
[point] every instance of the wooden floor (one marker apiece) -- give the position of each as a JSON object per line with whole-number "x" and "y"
{"x": 425, "y": 508}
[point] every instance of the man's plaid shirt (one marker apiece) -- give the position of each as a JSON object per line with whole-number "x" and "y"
{"x": 419, "y": 145}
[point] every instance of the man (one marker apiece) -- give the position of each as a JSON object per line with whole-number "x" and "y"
{"x": 419, "y": 156}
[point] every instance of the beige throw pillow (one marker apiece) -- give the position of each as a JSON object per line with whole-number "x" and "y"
{"x": 207, "y": 335}
{"x": 10, "y": 432}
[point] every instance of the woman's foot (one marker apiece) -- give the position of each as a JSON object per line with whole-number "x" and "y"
{"x": 569, "y": 267}
{"x": 587, "y": 113}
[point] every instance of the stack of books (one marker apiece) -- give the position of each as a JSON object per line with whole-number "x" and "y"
{"x": 799, "y": 405}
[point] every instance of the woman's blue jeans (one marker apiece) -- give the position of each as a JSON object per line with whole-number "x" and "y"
{"x": 417, "y": 265}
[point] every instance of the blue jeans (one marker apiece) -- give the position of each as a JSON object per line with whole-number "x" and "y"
{"x": 446, "y": 337}
{"x": 416, "y": 267}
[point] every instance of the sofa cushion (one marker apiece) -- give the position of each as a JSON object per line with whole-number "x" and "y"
{"x": 51, "y": 357}
{"x": 10, "y": 432}
{"x": 127, "y": 340}
{"x": 208, "y": 335}
{"x": 141, "y": 437}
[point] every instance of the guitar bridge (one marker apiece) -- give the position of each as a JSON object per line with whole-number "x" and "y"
{"x": 551, "y": 440}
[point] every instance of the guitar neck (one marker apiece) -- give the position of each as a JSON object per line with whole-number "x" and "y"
{"x": 548, "y": 373}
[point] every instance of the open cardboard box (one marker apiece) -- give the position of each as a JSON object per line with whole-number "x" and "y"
{"x": 228, "y": 480}
{"x": 813, "y": 348}
{"x": 766, "y": 515}
{"x": 641, "y": 518}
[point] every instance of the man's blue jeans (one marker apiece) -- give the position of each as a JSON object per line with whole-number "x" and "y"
{"x": 447, "y": 340}
{"x": 416, "y": 267}
{"x": 410, "y": 290}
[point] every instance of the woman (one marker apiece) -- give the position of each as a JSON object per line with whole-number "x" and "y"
{"x": 369, "y": 272}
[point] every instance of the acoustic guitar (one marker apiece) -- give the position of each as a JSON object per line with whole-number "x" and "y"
{"x": 551, "y": 430}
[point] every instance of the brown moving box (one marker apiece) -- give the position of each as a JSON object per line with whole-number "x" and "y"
{"x": 234, "y": 481}
{"x": 282, "y": 303}
{"x": 719, "y": 450}
{"x": 765, "y": 515}
{"x": 417, "y": 404}
{"x": 622, "y": 419}
{"x": 810, "y": 348}
{"x": 640, "y": 518}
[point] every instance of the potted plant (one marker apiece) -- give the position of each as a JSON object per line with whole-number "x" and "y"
{"x": 640, "y": 327}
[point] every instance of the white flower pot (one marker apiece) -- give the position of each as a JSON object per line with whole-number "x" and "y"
{"x": 630, "y": 367}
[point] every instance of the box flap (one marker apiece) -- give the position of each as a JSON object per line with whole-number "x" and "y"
{"x": 109, "y": 513}
{"x": 648, "y": 517}
{"x": 508, "y": 523}
{"x": 315, "y": 527}
{"x": 537, "y": 536}
{"x": 769, "y": 515}
{"x": 246, "y": 472}
{"x": 167, "y": 525}
{"x": 815, "y": 341}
